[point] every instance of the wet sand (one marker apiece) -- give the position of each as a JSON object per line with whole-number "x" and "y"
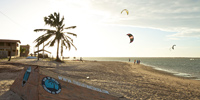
{"x": 124, "y": 78}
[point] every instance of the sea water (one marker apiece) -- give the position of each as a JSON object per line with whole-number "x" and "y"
{"x": 183, "y": 67}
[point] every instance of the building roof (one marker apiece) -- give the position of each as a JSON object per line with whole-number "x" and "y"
{"x": 8, "y": 40}
{"x": 25, "y": 45}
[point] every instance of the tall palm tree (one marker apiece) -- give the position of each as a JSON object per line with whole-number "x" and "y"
{"x": 56, "y": 35}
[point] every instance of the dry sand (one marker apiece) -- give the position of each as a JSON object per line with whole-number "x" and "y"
{"x": 131, "y": 81}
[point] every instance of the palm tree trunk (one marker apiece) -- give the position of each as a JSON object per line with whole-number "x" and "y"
{"x": 43, "y": 50}
{"x": 57, "y": 56}
{"x": 10, "y": 52}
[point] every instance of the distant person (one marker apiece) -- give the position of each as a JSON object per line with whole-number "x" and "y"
{"x": 134, "y": 62}
{"x": 137, "y": 61}
{"x": 129, "y": 59}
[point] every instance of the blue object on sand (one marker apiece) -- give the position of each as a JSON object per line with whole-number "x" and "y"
{"x": 26, "y": 76}
{"x": 30, "y": 57}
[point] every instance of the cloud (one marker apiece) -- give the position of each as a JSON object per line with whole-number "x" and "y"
{"x": 185, "y": 32}
{"x": 181, "y": 16}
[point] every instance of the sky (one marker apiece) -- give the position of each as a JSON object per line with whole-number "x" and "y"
{"x": 102, "y": 29}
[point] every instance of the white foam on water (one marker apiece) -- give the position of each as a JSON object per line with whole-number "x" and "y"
{"x": 183, "y": 75}
{"x": 186, "y": 75}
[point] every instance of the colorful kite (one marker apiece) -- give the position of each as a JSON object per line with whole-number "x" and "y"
{"x": 173, "y": 46}
{"x": 131, "y": 37}
{"x": 125, "y": 10}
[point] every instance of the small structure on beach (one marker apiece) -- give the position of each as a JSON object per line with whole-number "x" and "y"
{"x": 37, "y": 83}
{"x": 43, "y": 54}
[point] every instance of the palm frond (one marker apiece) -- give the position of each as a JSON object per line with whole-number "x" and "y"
{"x": 69, "y": 43}
{"x": 56, "y": 16}
{"x": 67, "y": 37}
{"x": 52, "y": 20}
{"x": 36, "y": 40}
{"x": 61, "y": 21}
{"x": 62, "y": 27}
{"x": 48, "y": 43}
{"x": 51, "y": 31}
{"x": 71, "y": 27}
{"x": 53, "y": 42}
{"x": 37, "y": 30}
{"x": 42, "y": 39}
{"x": 73, "y": 46}
{"x": 65, "y": 45}
{"x": 71, "y": 33}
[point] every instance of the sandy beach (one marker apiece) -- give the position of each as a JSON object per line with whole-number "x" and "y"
{"x": 124, "y": 78}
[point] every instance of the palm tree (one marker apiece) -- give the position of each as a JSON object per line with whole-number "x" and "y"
{"x": 56, "y": 35}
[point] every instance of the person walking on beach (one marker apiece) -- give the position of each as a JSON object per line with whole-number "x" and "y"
{"x": 137, "y": 61}
{"x": 134, "y": 62}
{"x": 129, "y": 59}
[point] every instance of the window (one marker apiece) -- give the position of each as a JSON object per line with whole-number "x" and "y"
{"x": 8, "y": 44}
{"x": 1, "y": 43}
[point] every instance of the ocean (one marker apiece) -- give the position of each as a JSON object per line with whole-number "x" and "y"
{"x": 183, "y": 67}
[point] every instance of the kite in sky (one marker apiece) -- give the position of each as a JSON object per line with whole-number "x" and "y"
{"x": 125, "y": 10}
{"x": 131, "y": 37}
{"x": 172, "y": 47}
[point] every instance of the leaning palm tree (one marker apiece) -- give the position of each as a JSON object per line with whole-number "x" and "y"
{"x": 56, "y": 35}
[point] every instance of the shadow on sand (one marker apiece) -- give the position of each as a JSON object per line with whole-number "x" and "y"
{"x": 10, "y": 95}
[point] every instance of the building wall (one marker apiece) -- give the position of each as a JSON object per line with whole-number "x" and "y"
{"x": 6, "y": 46}
{"x": 3, "y": 54}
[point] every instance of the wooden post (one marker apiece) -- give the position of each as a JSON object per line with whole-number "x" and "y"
{"x": 38, "y": 53}
{"x": 43, "y": 50}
